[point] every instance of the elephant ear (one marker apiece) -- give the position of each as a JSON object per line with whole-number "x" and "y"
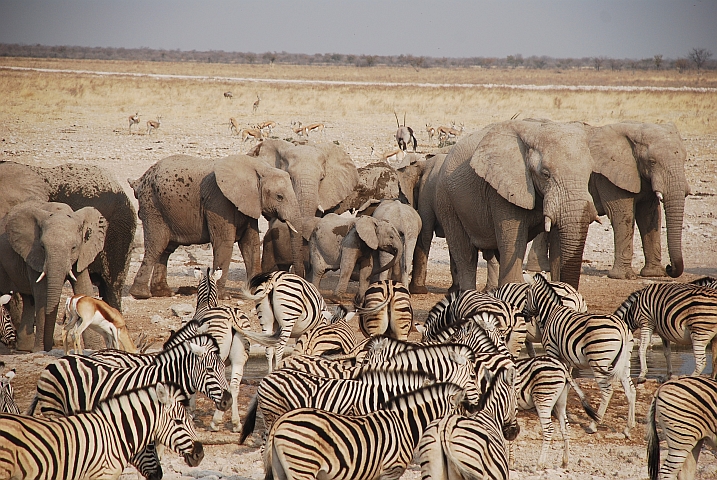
{"x": 366, "y": 229}
{"x": 612, "y": 152}
{"x": 239, "y": 181}
{"x": 340, "y": 175}
{"x": 93, "y": 228}
{"x": 23, "y": 233}
{"x": 500, "y": 158}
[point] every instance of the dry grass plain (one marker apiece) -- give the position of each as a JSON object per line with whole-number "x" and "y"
{"x": 50, "y": 117}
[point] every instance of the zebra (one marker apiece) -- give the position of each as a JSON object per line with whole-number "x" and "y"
{"x": 75, "y": 383}
{"x": 466, "y": 304}
{"x": 474, "y": 447}
{"x": 98, "y": 443}
{"x": 514, "y": 294}
{"x": 386, "y": 310}
{"x": 312, "y": 443}
{"x": 678, "y": 312}
{"x": 709, "y": 282}
{"x": 601, "y": 342}
{"x": 285, "y": 390}
{"x": 319, "y": 366}
{"x": 544, "y": 384}
{"x": 7, "y": 392}
{"x": 287, "y": 306}
{"x": 480, "y": 332}
{"x": 8, "y": 336}
{"x": 336, "y": 338}
{"x": 207, "y": 292}
{"x": 686, "y": 410}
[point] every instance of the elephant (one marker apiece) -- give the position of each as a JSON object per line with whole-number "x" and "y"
{"x": 185, "y": 200}
{"x": 81, "y": 186}
{"x": 637, "y": 166}
{"x": 43, "y": 244}
{"x": 501, "y": 186}
{"x": 407, "y": 222}
{"x": 340, "y": 242}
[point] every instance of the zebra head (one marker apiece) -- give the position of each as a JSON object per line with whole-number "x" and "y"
{"x": 208, "y": 371}
{"x": 7, "y": 330}
{"x": 499, "y": 398}
{"x": 175, "y": 428}
{"x": 628, "y": 310}
{"x": 7, "y": 393}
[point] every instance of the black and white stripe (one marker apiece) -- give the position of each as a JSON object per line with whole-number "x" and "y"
{"x": 386, "y": 310}
{"x": 686, "y": 411}
{"x": 336, "y": 338}
{"x": 709, "y": 282}
{"x": 679, "y": 313}
{"x": 8, "y": 335}
{"x": 99, "y": 443}
{"x": 7, "y": 392}
{"x": 287, "y": 306}
{"x": 304, "y": 442}
{"x": 602, "y": 343}
{"x": 76, "y": 383}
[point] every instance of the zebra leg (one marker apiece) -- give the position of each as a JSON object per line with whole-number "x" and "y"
{"x": 546, "y": 424}
{"x": 645, "y": 339}
{"x": 606, "y": 390}
{"x": 238, "y": 356}
{"x": 631, "y": 396}
{"x": 676, "y": 459}
{"x": 699, "y": 346}
{"x": 666, "y": 348}
{"x": 561, "y": 413}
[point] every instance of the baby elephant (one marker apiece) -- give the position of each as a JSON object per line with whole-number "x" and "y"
{"x": 343, "y": 242}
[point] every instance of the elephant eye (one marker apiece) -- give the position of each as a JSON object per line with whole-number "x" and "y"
{"x": 545, "y": 172}
{"x": 280, "y": 197}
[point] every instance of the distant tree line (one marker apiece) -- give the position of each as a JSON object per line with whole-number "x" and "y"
{"x": 699, "y": 58}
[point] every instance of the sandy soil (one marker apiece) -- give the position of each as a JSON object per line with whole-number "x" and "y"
{"x": 93, "y": 137}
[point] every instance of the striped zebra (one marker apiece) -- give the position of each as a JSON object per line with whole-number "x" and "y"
{"x": 287, "y": 306}
{"x": 319, "y": 366}
{"x": 285, "y": 390}
{"x": 336, "y": 338}
{"x": 680, "y": 313}
{"x": 98, "y": 443}
{"x": 8, "y": 336}
{"x": 544, "y": 384}
{"x": 686, "y": 410}
{"x": 479, "y": 332}
{"x": 7, "y": 392}
{"x": 602, "y": 343}
{"x": 514, "y": 294}
{"x": 310, "y": 443}
{"x": 75, "y": 383}
{"x": 709, "y": 282}
{"x": 386, "y": 310}
{"x": 457, "y": 306}
{"x": 207, "y": 291}
{"x": 456, "y": 446}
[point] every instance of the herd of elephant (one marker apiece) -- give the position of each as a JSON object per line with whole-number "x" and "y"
{"x": 494, "y": 191}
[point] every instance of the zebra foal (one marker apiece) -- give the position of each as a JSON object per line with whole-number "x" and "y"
{"x": 8, "y": 336}
{"x": 7, "y": 392}
{"x": 386, "y": 310}
{"x": 308, "y": 443}
{"x": 101, "y": 442}
{"x": 680, "y": 313}
{"x": 686, "y": 410}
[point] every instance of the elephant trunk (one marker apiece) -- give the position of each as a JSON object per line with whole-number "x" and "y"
{"x": 674, "y": 213}
{"x": 55, "y": 278}
{"x": 297, "y": 254}
{"x": 307, "y": 193}
{"x": 397, "y": 254}
{"x": 572, "y": 220}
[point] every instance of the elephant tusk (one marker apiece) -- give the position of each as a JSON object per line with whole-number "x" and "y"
{"x": 660, "y": 197}
{"x": 39, "y": 279}
{"x": 320, "y": 208}
{"x": 597, "y": 219}
{"x": 291, "y": 227}
{"x": 548, "y": 224}
{"x": 72, "y": 276}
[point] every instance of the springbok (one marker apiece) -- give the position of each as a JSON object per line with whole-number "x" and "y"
{"x": 254, "y": 133}
{"x": 153, "y": 124}
{"x": 314, "y": 127}
{"x": 268, "y": 125}
{"x": 228, "y": 95}
{"x": 393, "y": 155}
{"x": 234, "y": 125}
{"x": 431, "y": 132}
{"x": 298, "y": 128}
{"x": 83, "y": 312}
{"x": 133, "y": 120}
{"x": 404, "y": 134}
{"x": 444, "y": 133}
{"x": 256, "y": 104}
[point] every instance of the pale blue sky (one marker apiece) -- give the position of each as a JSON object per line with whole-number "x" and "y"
{"x": 453, "y": 28}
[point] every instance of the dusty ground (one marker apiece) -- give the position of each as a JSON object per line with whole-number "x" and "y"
{"x": 90, "y": 135}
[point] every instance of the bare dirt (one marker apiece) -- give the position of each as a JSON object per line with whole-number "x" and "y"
{"x": 92, "y": 136}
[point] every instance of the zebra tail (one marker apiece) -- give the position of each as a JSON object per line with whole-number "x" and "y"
{"x": 653, "y": 443}
{"x": 583, "y": 399}
{"x": 268, "y": 460}
{"x": 263, "y": 339}
{"x": 33, "y": 405}
{"x": 249, "y": 423}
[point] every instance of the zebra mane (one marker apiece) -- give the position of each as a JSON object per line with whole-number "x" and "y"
{"x": 192, "y": 324}
{"x": 202, "y": 338}
{"x": 392, "y": 374}
{"x": 624, "y": 307}
{"x": 379, "y": 342}
{"x": 704, "y": 281}
{"x": 260, "y": 278}
{"x": 139, "y": 391}
{"x": 437, "y": 390}
{"x": 493, "y": 378}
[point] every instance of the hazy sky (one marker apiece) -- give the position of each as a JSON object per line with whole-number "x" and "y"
{"x": 454, "y": 28}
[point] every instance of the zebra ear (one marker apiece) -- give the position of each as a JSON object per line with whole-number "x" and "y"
{"x": 349, "y": 316}
{"x": 420, "y": 328}
{"x": 162, "y": 394}
{"x": 198, "y": 350}
{"x": 5, "y": 299}
{"x": 457, "y": 357}
{"x": 197, "y": 273}
{"x": 327, "y": 316}
{"x": 216, "y": 274}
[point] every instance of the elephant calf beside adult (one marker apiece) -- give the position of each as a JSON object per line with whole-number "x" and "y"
{"x": 185, "y": 200}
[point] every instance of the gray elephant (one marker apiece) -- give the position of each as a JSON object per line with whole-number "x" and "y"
{"x": 637, "y": 166}
{"x": 185, "y": 200}
{"x": 499, "y": 187}
{"x": 42, "y": 245}
{"x": 340, "y": 242}
{"x": 81, "y": 186}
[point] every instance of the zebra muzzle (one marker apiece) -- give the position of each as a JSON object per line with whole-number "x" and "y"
{"x": 195, "y": 456}
{"x": 225, "y": 402}
{"x": 511, "y": 432}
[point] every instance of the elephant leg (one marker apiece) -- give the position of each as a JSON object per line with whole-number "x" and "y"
{"x": 249, "y": 247}
{"x": 492, "y": 271}
{"x": 454, "y": 274}
{"x": 512, "y": 240}
{"x": 365, "y": 269}
{"x": 649, "y": 221}
{"x": 420, "y": 269}
{"x": 538, "y": 255}
{"x": 159, "y": 286}
{"x": 465, "y": 255}
{"x": 623, "y": 225}
{"x": 156, "y": 240}
{"x": 22, "y": 308}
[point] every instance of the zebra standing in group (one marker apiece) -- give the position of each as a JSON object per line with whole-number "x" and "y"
{"x": 7, "y": 393}
{"x": 474, "y": 446}
{"x": 287, "y": 306}
{"x": 336, "y": 338}
{"x": 98, "y": 443}
{"x": 8, "y": 336}
{"x": 709, "y": 282}
{"x": 386, "y": 310}
{"x": 686, "y": 410}
{"x": 311, "y": 443}
{"x": 602, "y": 343}
{"x": 678, "y": 312}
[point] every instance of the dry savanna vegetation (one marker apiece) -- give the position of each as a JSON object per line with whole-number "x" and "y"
{"x": 76, "y": 113}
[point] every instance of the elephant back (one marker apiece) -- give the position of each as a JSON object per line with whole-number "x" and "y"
{"x": 26, "y": 185}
